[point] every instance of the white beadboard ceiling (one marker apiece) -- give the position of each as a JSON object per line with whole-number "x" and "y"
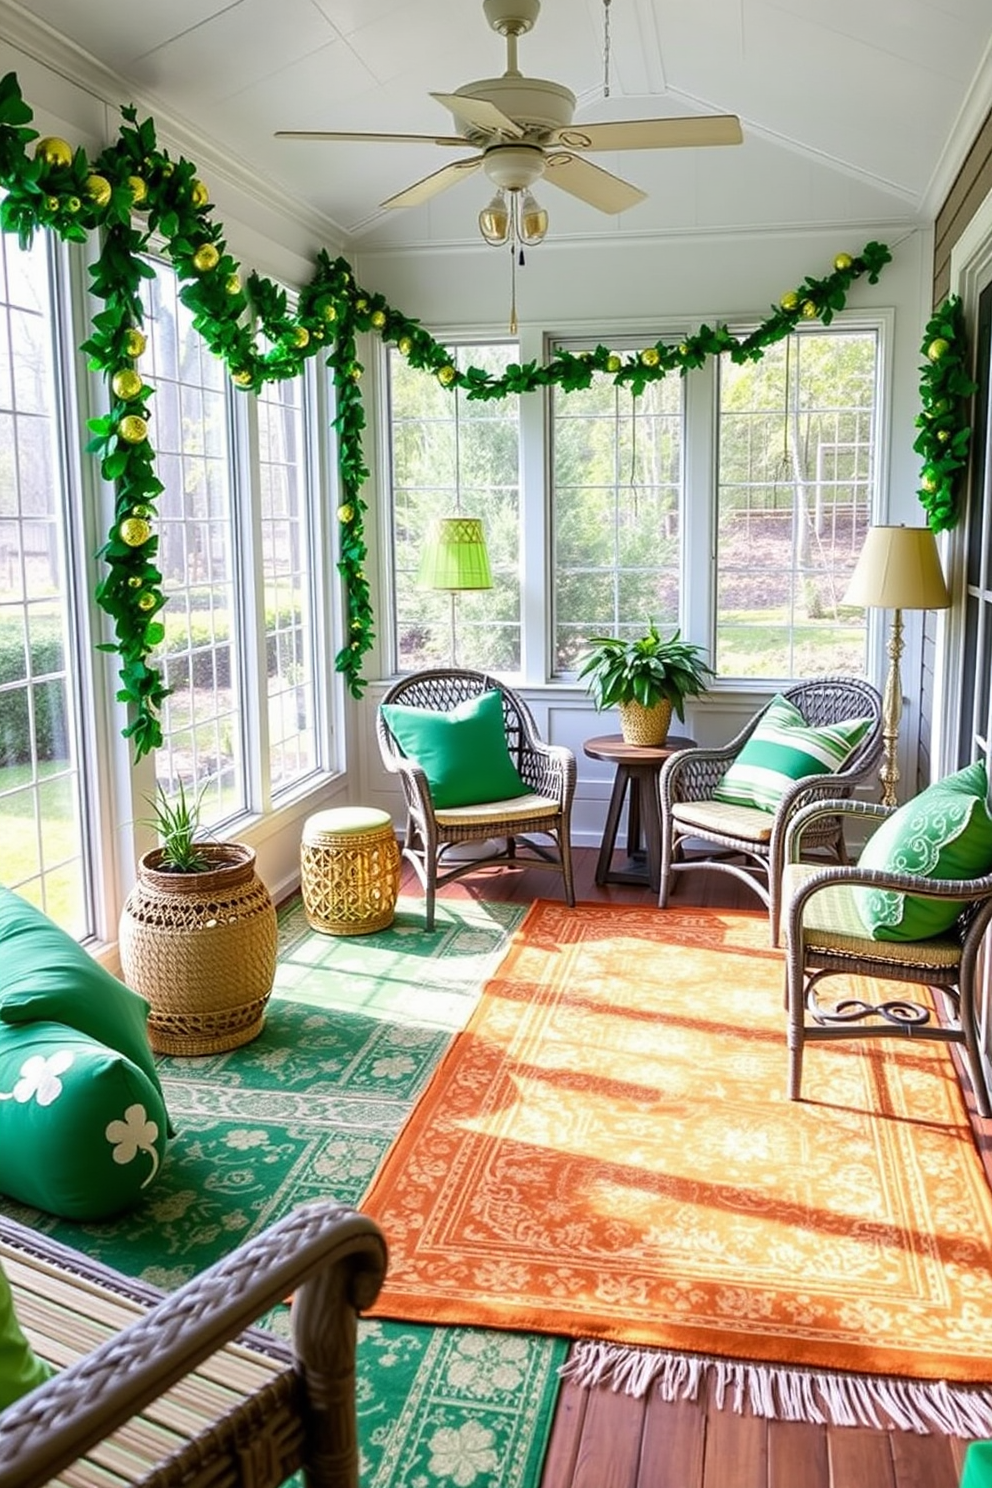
{"x": 853, "y": 111}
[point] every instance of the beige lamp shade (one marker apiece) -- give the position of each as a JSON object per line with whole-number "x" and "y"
{"x": 455, "y": 556}
{"x": 899, "y": 569}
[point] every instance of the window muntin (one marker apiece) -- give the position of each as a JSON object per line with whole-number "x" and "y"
{"x": 452, "y": 455}
{"x": 41, "y": 778}
{"x": 616, "y": 504}
{"x": 201, "y": 655}
{"x": 796, "y": 473}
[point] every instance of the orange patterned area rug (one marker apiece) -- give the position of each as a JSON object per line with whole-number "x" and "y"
{"x": 607, "y": 1152}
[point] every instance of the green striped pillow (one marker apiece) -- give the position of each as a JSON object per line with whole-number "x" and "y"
{"x": 783, "y": 749}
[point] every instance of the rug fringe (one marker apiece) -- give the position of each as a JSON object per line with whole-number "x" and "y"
{"x": 785, "y": 1393}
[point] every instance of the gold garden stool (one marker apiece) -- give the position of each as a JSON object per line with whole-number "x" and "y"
{"x": 350, "y": 870}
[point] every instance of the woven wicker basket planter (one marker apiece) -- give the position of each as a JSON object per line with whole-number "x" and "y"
{"x": 201, "y": 947}
{"x": 645, "y": 726}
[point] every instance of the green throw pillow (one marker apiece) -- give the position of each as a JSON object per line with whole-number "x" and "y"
{"x": 82, "y": 1129}
{"x": 463, "y": 753}
{"x": 944, "y": 832}
{"x": 46, "y": 975}
{"x": 20, "y": 1368}
{"x": 784, "y": 748}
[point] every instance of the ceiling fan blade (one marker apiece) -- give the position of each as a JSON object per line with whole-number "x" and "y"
{"x": 591, "y": 183}
{"x": 386, "y": 139}
{"x": 431, "y": 185}
{"x": 481, "y": 114}
{"x": 653, "y": 134}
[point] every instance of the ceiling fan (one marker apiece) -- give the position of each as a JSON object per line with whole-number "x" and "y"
{"x": 520, "y": 130}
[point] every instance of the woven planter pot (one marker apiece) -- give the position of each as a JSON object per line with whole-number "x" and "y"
{"x": 645, "y": 726}
{"x": 201, "y": 947}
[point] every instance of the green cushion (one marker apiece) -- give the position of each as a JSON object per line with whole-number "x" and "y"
{"x": 977, "y": 1471}
{"x": 945, "y": 832}
{"x": 783, "y": 749}
{"x": 47, "y": 976}
{"x": 20, "y": 1368}
{"x": 82, "y": 1129}
{"x": 463, "y": 753}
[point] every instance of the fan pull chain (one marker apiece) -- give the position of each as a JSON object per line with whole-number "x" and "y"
{"x": 606, "y": 48}
{"x": 513, "y": 288}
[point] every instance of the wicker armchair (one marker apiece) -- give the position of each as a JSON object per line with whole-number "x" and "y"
{"x": 151, "y": 1389}
{"x": 688, "y": 812}
{"x": 547, "y": 770}
{"x": 824, "y": 937}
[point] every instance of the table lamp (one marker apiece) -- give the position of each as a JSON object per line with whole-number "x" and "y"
{"x": 454, "y": 558}
{"x": 899, "y": 569}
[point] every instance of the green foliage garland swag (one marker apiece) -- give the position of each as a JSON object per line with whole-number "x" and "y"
{"x": 134, "y": 194}
{"x": 943, "y": 418}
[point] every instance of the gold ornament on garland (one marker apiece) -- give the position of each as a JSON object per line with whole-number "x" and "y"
{"x": 232, "y": 285}
{"x": 199, "y": 195}
{"x": 613, "y": 363}
{"x": 790, "y": 300}
{"x": 127, "y": 384}
{"x": 139, "y": 189}
{"x": 54, "y": 151}
{"x": 346, "y": 514}
{"x": 301, "y": 337}
{"x": 446, "y": 375}
{"x": 242, "y": 377}
{"x": 146, "y": 600}
{"x": 133, "y": 428}
{"x": 843, "y": 261}
{"x": 404, "y": 346}
{"x": 205, "y": 258}
{"x": 135, "y": 342}
{"x": 809, "y": 310}
{"x": 650, "y": 356}
{"x": 134, "y": 531}
{"x": 99, "y": 190}
{"x": 135, "y": 582}
{"x": 378, "y": 320}
{"x": 938, "y": 348}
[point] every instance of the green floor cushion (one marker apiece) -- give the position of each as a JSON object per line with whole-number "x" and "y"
{"x": 782, "y": 749}
{"x": 944, "y": 832}
{"x": 47, "y": 976}
{"x": 20, "y": 1368}
{"x": 977, "y": 1471}
{"x": 463, "y": 752}
{"x": 82, "y": 1128}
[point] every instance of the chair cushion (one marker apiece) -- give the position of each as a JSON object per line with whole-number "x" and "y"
{"x": 832, "y": 926}
{"x": 945, "y": 832}
{"x": 20, "y": 1368}
{"x": 463, "y": 752}
{"x": 716, "y": 818}
{"x": 784, "y": 748}
{"x": 496, "y": 813}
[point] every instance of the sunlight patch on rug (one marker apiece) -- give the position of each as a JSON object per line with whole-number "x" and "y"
{"x": 608, "y": 1152}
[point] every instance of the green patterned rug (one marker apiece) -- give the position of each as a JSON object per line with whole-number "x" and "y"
{"x": 352, "y": 1034}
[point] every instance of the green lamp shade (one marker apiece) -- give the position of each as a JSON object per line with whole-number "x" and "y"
{"x": 455, "y": 556}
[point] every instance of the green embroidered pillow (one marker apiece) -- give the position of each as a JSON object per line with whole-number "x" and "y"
{"x": 944, "y": 832}
{"x": 46, "y": 975}
{"x": 783, "y": 749}
{"x": 463, "y": 753}
{"x": 82, "y": 1129}
{"x": 20, "y": 1368}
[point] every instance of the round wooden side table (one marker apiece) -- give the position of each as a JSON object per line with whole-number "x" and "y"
{"x": 637, "y": 770}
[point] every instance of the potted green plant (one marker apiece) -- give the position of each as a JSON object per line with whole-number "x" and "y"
{"x": 645, "y": 680}
{"x": 198, "y": 935}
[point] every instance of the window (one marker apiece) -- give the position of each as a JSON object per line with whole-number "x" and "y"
{"x": 288, "y": 583}
{"x": 796, "y": 439}
{"x": 617, "y": 463}
{"x": 201, "y": 654}
{"x": 453, "y": 456}
{"x": 40, "y": 767}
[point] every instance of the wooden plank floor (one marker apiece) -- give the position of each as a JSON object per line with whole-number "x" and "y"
{"x": 603, "y": 1440}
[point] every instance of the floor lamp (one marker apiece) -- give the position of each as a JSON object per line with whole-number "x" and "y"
{"x": 454, "y": 558}
{"x": 899, "y": 569}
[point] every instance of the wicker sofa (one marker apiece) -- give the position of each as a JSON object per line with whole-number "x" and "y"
{"x": 171, "y": 1390}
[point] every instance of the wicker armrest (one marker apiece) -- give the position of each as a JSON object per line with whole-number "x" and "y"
{"x": 330, "y": 1258}
{"x": 815, "y": 810}
{"x": 548, "y": 769}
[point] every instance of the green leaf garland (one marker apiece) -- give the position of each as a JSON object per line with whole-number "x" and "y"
{"x": 945, "y": 434}
{"x": 135, "y": 194}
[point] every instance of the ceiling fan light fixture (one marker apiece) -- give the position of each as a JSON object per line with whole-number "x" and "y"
{"x": 494, "y": 220}
{"x": 533, "y": 221}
